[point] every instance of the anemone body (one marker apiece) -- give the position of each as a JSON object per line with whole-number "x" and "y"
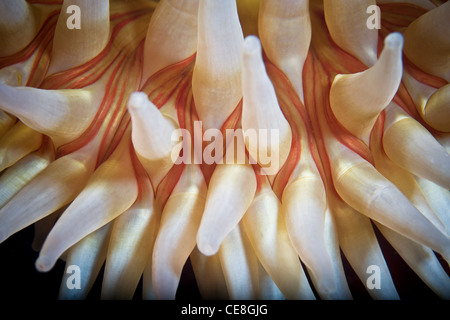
{"x": 357, "y": 162}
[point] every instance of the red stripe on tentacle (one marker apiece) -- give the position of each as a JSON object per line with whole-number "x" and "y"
{"x": 88, "y": 135}
{"x": 281, "y": 84}
{"x": 161, "y": 86}
{"x": 165, "y": 188}
{"x": 177, "y": 77}
{"x": 314, "y": 95}
{"x": 376, "y": 137}
{"x": 421, "y": 76}
{"x": 232, "y": 122}
{"x": 333, "y": 58}
{"x": 47, "y": 30}
{"x": 397, "y": 16}
{"x": 341, "y": 133}
{"x": 132, "y": 69}
{"x": 142, "y": 177}
{"x": 91, "y": 71}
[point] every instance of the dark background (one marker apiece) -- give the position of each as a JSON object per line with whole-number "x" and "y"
{"x": 21, "y": 281}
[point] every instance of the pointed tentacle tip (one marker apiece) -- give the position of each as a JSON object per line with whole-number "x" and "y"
{"x": 44, "y": 264}
{"x": 394, "y": 41}
{"x": 137, "y": 100}
{"x": 207, "y": 246}
{"x": 252, "y": 45}
{"x": 327, "y": 287}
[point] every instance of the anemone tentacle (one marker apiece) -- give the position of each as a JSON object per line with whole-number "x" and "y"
{"x": 90, "y": 117}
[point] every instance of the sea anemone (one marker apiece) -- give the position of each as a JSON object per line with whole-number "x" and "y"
{"x": 355, "y": 92}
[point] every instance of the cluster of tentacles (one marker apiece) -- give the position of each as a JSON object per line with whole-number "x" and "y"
{"x": 362, "y": 117}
